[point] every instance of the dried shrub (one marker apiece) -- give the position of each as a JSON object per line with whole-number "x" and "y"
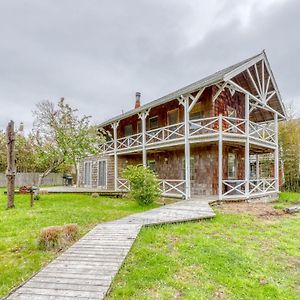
{"x": 70, "y": 231}
{"x": 57, "y": 237}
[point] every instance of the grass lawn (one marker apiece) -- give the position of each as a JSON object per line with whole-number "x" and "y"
{"x": 20, "y": 227}
{"x": 233, "y": 256}
{"x": 286, "y": 197}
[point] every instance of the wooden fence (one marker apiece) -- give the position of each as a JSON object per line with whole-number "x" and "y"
{"x": 32, "y": 179}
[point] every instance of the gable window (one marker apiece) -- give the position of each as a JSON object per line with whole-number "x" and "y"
{"x": 87, "y": 173}
{"x": 102, "y": 173}
{"x": 232, "y": 166}
{"x": 153, "y": 122}
{"x": 128, "y": 130}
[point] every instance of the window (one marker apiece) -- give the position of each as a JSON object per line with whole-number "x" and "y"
{"x": 232, "y": 166}
{"x": 151, "y": 165}
{"x": 153, "y": 122}
{"x": 128, "y": 130}
{"x": 87, "y": 173}
{"x": 139, "y": 126}
{"x": 172, "y": 116}
{"x": 192, "y": 168}
{"x": 102, "y": 173}
{"x": 196, "y": 114}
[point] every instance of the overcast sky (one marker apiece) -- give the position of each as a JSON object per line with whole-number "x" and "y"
{"x": 97, "y": 54}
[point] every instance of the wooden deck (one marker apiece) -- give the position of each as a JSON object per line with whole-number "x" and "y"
{"x": 86, "y": 270}
{"x": 82, "y": 190}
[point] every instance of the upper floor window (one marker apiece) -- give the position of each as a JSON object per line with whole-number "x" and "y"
{"x": 172, "y": 117}
{"x": 153, "y": 122}
{"x": 128, "y": 130}
{"x": 196, "y": 112}
{"x": 139, "y": 126}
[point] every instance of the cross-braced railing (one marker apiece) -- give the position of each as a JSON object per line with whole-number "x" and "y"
{"x": 233, "y": 125}
{"x": 261, "y": 186}
{"x": 262, "y": 132}
{"x": 107, "y": 146}
{"x": 204, "y": 126}
{"x": 234, "y": 187}
{"x": 123, "y": 184}
{"x": 168, "y": 187}
{"x": 172, "y": 187}
{"x": 130, "y": 141}
{"x": 164, "y": 134}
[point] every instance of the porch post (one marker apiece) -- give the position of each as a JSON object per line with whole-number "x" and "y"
{"x": 115, "y": 126}
{"x": 247, "y": 146}
{"x": 276, "y": 154}
{"x": 220, "y": 158}
{"x": 143, "y": 115}
{"x": 257, "y": 166}
{"x": 187, "y": 150}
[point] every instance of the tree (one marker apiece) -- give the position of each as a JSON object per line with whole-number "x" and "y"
{"x": 289, "y": 141}
{"x": 63, "y": 137}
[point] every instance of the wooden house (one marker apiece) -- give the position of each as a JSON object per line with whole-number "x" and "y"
{"x": 201, "y": 139}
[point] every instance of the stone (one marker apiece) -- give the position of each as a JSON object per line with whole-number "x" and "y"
{"x": 95, "y": 195}
{"x": 292, "y": 209}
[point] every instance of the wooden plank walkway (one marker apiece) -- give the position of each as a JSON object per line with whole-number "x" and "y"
{"x": 86, "y": 270}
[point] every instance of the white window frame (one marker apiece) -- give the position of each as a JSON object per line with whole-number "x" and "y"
{"x": 102, "y": 186}
{"x": 91, "y": 168}
{"x": 235, "y": 166}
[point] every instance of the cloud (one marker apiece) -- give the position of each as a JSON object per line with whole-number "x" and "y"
{"x": 97, "y": 54}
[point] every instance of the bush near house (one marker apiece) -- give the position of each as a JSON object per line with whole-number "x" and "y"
{"x": 144, "y": 186}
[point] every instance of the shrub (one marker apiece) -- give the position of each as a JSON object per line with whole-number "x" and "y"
{"x": 144, "y": 186}
{"x": 57, "y": 237}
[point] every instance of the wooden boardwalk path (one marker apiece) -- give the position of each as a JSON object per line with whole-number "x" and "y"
{"x": 86, "y": 270}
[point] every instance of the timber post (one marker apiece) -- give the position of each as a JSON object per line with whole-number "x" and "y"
{"x": 220, "y": 157}
{"x": 115, "y": 135}
{"x": 11, "y": 164}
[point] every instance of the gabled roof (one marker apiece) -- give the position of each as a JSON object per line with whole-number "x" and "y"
{"x": 217, "y": 77}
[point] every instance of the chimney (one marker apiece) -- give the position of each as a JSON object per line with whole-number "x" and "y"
{"x": 137, "y": 100}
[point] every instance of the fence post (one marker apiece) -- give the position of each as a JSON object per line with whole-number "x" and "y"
{"x": 11, "y": 164}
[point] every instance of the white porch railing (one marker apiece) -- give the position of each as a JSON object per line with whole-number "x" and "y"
{"x": 164, "y": 134}
{"x": 168, "y": 187}
{"x": 234, "y": 187}
{"x": 233, "y": 125}
{"x": 130, "y": 141}
{"x": 262, "y": 132}
{"x": 172, "y": 187}
{"x": 261, "y": 186}
{"x": 204, "y": 126}
{"x": 106, "y": 147}
{"x": 122, "y": 184}
{"x": 197, "y": 128}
